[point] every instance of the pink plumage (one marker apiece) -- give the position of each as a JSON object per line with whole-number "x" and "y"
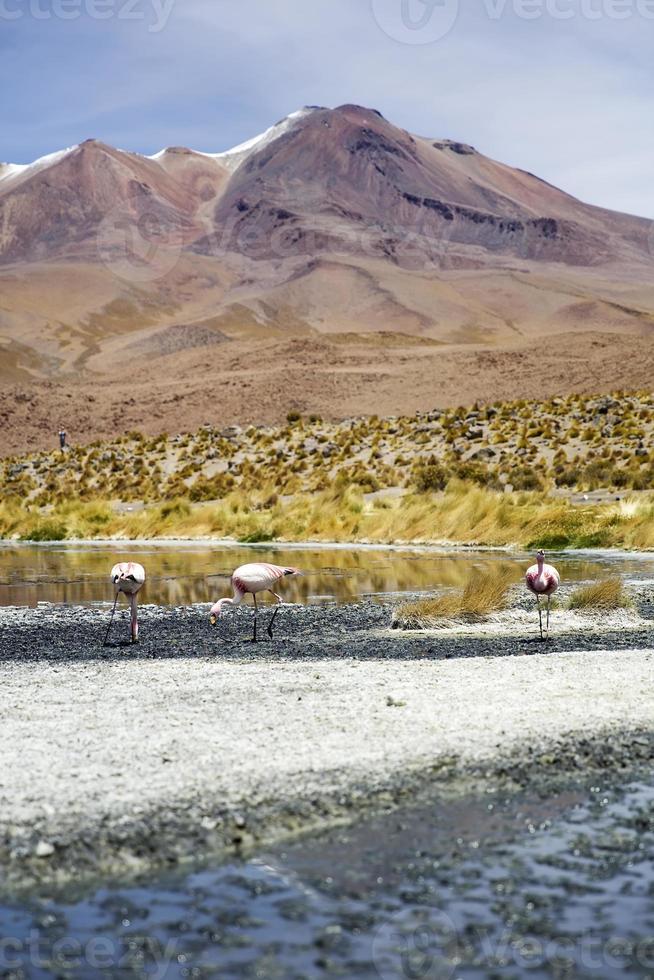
{"x": 251, "y": 579}
{"x": 127, "y": 577}
{"x": 542, "y": 580}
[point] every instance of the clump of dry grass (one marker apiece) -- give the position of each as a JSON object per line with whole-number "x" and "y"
{"x": 607, "y": 594}
{"x": 486, "y": 592}
{"x": 338, "y": 512}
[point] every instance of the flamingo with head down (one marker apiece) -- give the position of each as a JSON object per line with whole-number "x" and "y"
{"x": 253, "y": 578}
{"x": 542, "y": 580}
{"x": 127, "y": 577}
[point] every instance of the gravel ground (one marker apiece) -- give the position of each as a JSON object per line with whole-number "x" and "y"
{"x": 196, "y": 741}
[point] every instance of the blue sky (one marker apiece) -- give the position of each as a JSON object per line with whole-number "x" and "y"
{"x": 563, "y": 88}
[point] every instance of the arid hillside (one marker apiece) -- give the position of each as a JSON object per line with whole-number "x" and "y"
{"x": 574, "y": 443}
{"x": 565, "y": 472}
{"x": 336, "y": 264}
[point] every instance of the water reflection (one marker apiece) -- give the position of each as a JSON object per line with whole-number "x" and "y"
{"x": 184, "y": 574}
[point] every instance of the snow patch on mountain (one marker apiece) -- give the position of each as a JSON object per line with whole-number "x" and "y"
{"x": 232, "y": 159}
{"x": 10, "y": 170}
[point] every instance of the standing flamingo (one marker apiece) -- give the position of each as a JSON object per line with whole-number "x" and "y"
{"x": 127, "y": 577}
{"x": 544, "y": 580}
{"x": 253, "y": 578}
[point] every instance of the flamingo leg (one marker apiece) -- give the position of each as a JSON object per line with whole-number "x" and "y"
{"x": 274, "y": 615}
{"x": 547, "y": 628}
{"x": 256, "y": 610}
{"x": 134, "y": 619}
{"x": 540, "y": 616}
{"x": 106, "y": 636}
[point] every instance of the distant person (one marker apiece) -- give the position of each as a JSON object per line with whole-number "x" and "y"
{"x": 62, "y": 438}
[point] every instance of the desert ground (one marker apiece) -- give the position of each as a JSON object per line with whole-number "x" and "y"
{"x": 336, "y": 714}
{"x": 243, "y": 383}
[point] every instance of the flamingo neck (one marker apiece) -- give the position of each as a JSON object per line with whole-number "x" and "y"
{"x": 541, "y": 563}
{"x": 229, "y": 602}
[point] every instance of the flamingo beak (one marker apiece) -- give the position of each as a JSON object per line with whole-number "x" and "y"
{"x": 212, "y": 620}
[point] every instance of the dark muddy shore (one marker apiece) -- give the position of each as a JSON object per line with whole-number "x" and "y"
{"x": 361, "y": 631}
{"x": 196, "y": 742}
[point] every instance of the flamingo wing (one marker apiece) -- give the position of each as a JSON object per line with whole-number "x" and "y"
{"x": 128, "y": 576}
{"x": 259, "y": 576}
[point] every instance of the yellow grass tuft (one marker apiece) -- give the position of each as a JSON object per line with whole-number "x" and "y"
{"x": 464, "y": 513}
{"x": 607, "y": 594}
{"x": 486, "y": 592}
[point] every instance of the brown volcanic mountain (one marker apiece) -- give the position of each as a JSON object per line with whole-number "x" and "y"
{"x": 337, "y": 263}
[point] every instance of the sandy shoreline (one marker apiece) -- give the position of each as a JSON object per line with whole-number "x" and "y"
{"x": 196, "y": 742}
{"x": 438, "y": 547}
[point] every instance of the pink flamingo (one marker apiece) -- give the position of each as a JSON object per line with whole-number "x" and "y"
{"x": 127, "y": 577}
{"x": 543, "y": 580}
{"x": 253, "y": 578}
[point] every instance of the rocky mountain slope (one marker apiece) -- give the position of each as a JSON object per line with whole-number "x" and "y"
{"x": 374, "y": 250}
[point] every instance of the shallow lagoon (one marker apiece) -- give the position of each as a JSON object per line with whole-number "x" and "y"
{"x": 184, "y": 573}
{"x": 558, "y": 886}
{"x": 541, "y": 887}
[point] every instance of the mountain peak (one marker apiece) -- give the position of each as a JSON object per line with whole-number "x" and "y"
{"x": 352, "y": 108}
{"x": 232, "y": 159}
{"x": 15, "y": 171}
{"x": 331, "y": 221}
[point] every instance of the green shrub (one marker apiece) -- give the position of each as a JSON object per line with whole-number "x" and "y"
{"x": 524, "y": 478}
{"x": 48, "y": 530}
{"x": 175, "y": 508}
{"x": 258, "y": 536}
{"x": 430, "y": 475}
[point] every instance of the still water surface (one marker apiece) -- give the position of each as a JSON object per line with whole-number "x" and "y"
{"x": 558, "y": 888}
{"x": 179, "y": 574}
